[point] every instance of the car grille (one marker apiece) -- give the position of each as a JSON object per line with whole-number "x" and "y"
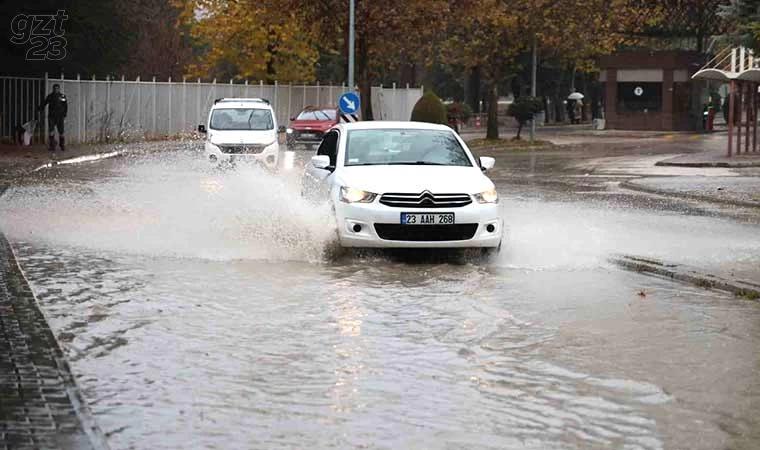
{"x": 242, "y": 148}
{"x": 428, "y": 233}
{"x": 425, "y": 200}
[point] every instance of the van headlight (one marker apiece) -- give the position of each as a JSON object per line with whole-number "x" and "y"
{"x": 352, "y": 195}
{"x": 487, "y": 197}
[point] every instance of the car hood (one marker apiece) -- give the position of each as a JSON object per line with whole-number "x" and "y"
{"x": 415, "y": 179}
{"x": 241, "y": 137}
{"x": 317, "y": 125}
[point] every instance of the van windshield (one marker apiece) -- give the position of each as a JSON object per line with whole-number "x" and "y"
{"x": 242, "y": 119}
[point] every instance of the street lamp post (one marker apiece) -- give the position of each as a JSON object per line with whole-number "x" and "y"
{"x": 351, "y": 9}
{"x": 533, "y": 90}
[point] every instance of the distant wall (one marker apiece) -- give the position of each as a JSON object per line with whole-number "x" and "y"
{"x": 111, "y": 110}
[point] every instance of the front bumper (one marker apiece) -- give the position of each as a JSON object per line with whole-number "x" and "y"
{"x": 268, "y": 157}
{"x": 367, "y": 215}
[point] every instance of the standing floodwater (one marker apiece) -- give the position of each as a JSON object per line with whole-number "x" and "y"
{"x": 198, "y": 311}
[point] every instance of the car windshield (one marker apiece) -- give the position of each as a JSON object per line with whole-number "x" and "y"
{"x": 242, "y": 119}
{"x": 404, "y": 147}
{"x": 317, "y": 114}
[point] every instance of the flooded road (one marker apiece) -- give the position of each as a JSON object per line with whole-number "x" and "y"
{"x": 198, "y": 311}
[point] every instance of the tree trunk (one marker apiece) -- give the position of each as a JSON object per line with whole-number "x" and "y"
{"x": 473, "y": 89}
{"x": 365, "y": 82}
{"x": 519, "y": 129}
{"x": 572, "y": 80}
{"x": 585, "y": 108}
{"x": 492, "y": 128}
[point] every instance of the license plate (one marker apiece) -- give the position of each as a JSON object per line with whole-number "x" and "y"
{"x": 308, "y": 135}
{"x": 427, "y": 218}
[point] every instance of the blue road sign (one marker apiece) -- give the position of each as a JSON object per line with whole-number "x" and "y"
{"x": 349, "y": 103}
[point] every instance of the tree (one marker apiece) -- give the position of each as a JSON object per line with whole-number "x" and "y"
{"x": 429, "y": 108}
{"x": 158, "y": 42}
{"x": 250, "y": 39}
{"x": 524, "y": 109}
{"x": 391, "y": 36}
{"x": 743, "y": 22}
{"x": 485, "y": 35}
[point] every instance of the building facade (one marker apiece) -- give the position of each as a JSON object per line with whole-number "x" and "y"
{"x": 652, "y": 90}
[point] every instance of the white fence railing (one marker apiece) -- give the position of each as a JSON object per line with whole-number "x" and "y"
{"x": 101, "y": 110}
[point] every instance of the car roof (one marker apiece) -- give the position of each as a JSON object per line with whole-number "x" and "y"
{"x": 388, "y": 124}
{"x": 241, "y": 102}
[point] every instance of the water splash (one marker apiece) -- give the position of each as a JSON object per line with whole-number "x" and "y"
{"x": 552, "y": 235}
{"x": 173, "y": 206}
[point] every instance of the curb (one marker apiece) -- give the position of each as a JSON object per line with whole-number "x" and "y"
{"x": 81, "y": 159}
{"x": 729, "y": 165}
{"x": 687, "y": 274}
{"x": 705, "y": 198}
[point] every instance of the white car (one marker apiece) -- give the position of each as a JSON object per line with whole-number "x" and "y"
{"x": 405, "y": 185}
{"x": 241, "y": 129}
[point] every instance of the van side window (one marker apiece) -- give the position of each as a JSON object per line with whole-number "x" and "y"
{"x": 329, "y": 147}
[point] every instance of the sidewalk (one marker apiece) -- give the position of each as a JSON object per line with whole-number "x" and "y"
{"x": 715, "y": 155}
{"x": 565, "y": 134}
{"x": 40, "y": 406}
{"x": 17, "y": 161}
{"x": 743, "y": 191}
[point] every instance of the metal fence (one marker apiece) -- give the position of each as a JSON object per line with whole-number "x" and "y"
{"x": 19, "y": 98}
{"x": 394, "y": 104}
{"x": 109, "y": 110}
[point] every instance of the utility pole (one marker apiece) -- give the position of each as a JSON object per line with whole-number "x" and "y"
{"x": 351, "y": 11}
{"x": 533, "y": 90}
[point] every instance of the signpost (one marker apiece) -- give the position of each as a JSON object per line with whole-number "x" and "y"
{"x": 349, "y": 103}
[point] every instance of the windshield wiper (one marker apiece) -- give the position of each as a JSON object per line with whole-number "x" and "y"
{"x": 416, "y": 163}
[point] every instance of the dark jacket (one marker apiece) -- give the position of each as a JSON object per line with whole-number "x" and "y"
{"x": 57, "y": 105}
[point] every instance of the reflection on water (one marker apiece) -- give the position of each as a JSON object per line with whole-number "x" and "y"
{"x": 193, "y": 320}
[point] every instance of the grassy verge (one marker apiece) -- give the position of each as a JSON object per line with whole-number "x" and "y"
{"x": 511, "y": 145}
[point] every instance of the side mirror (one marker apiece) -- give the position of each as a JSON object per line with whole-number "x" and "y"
{"x": 320, "y": 161}
{"x": 487, "y": 163}
{"x": 201, "y": 128}
{"x": 292, "y": 119}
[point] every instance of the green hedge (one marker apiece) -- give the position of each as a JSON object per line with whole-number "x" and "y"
{"x": 429, "y": 108}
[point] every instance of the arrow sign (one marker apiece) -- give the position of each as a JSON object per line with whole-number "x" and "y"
{"x": 349, "y": 103}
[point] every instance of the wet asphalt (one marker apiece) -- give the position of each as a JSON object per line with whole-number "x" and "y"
{"x": 198, "y": 310}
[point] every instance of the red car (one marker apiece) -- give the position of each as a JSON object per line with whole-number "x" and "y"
{"x": 308, "y": 127}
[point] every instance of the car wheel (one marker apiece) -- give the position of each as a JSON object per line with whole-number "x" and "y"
{"x": 490, "y": 252}
{"x": 333, "y": 249}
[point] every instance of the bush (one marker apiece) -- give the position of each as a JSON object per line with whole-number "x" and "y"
{"x": 429, "y": 108}
{"x": 523, "y": 109}
{"x": 459, "y": 110}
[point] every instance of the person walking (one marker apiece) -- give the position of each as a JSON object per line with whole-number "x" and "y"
{"x": 578, "y": 111}
{"x": 57, "y": 109}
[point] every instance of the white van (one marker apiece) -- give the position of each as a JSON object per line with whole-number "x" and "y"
{"x": 241, "y": 129}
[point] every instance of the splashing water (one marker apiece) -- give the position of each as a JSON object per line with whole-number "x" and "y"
{"x": 551, "y": 235}
{"x": 174, "y": 207}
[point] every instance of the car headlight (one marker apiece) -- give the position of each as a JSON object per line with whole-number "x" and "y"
{"x": 289, "y": 130}
{"x": 487, "y": 197}
{"x": 351, "y": 195}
